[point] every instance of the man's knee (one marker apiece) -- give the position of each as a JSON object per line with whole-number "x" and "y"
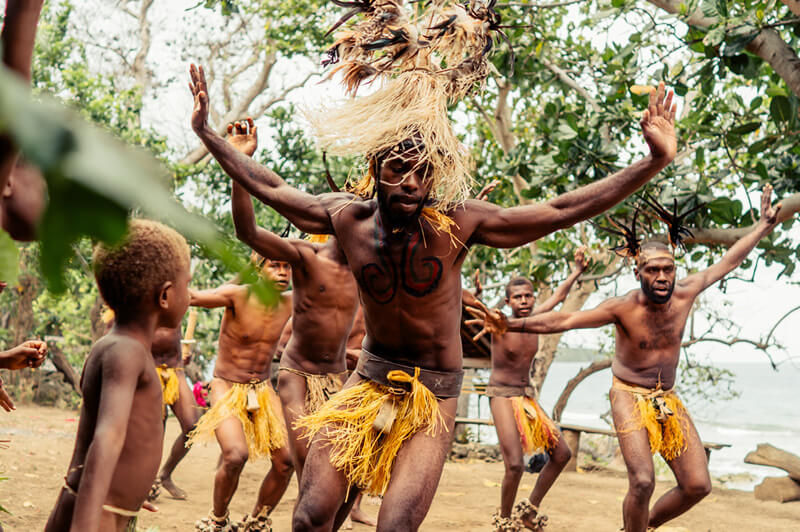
{"x": 642, "y": 485}
{"x": 308, "y": 517}
{"x": 234, "y": 458}
{"x": 697, "y": 488}
{"x": 283, "y": 465}
{"x": 561, "y": 454}
{"x": 514, "y": 468}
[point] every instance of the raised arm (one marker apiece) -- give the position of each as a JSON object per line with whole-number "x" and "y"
{"x": 216, "y": 297}
{"x": 304, "y": 210}
{"x": 739, "y": 251}
{"x": 244, "y": 137}
{"x": 17, "y": 40}
{"x": 120, "y": 375}
{"x": 554, "y": 322}
{"x": 560, "y": 293}
{"x": 516, "y": 226}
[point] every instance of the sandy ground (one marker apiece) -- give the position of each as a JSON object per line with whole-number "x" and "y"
{"x": 42, "y": 439}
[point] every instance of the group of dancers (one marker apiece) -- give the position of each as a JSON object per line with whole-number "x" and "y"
{"x": 378, "y": 283}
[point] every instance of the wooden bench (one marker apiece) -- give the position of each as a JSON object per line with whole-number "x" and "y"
{"x": 572, "y": 435}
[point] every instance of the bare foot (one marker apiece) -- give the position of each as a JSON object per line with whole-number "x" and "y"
{"x": 359, "y": 516}
{"x": 173, "y": 490}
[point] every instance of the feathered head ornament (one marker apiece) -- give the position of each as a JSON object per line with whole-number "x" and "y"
{"x": 674, "y": 220}
{"x": 432, "y": 54}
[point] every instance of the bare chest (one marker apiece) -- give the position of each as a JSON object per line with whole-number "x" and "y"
{"x": 657, "y": 331}
{"x": 514, "y": 348}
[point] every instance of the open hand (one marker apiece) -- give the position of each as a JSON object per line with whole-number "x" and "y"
{"x": 658, "y": 125}
{"x": 769, "y": 214}
{"x": 485, "y": 191}
{"x": 28, "y": 354}
{"x": 243, "y": 136}
{"x": 581, "y": 261}
{"x": 493, "y": 321}
{"x": 197, "y": 84}
{"x": 5, "y": 401}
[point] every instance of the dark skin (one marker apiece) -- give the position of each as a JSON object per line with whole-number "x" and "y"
{"x": 22, "y": 186}
{"x": 120, "y": 434}
{"x": 409, "y": 278}
{"x": 248, "y": 336}
{"x": 324, "y": 296}
{"x": 166, "y": 349}
{"x": 512, "y": 355}
{"x": 649, "y": 325}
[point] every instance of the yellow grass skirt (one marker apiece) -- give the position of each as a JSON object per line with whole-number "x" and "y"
{"x": 264, "y": 429}
{"x": 366, "y": 455}
{"x": 662, "y": 413}
{"x": 169, "y": 384}
{"x": 537, "y": 432}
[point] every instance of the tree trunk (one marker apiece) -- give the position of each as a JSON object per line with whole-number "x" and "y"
{"x": 62, "y": 365}
{"x": 549, "y": 343}
{"x": 769, "y": 455}
{"x": 573, "y": 383}
{"x": 767, "y": 45}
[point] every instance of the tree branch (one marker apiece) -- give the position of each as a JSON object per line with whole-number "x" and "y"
{"x": 591, "y": 369}
{"x": 141, "y": 73}
{"x": 767, "y": 45}
{"x": 728, "y": 237}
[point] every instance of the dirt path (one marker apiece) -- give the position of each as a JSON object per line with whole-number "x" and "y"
{"x": 42, "y": 439}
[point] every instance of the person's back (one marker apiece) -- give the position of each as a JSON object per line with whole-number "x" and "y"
{"x": 118, "y": 446}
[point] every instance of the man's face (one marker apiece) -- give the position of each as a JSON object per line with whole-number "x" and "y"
{"x": 657, "y": 277}
{"x": 520, "y": 299}
{"x": 280, "y": 273}
{"x": 403, "y": 186}
{"x": 22, "y": 202}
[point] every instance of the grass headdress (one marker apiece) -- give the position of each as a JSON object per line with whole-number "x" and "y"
{"x": 424, "y": 58}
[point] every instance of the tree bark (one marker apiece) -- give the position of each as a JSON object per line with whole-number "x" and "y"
{"x": 549, "y": 343}
{"x": 573, "y": 383}
{"x": 769, "y": 455}
{"x": 65, "y": 368}
{"x": 767, "y": 45}
{"x": 728, "y": 237}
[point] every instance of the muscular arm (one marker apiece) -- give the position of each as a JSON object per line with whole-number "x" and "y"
{"x": 739, "y": 251}
{"x": 17, "y": 39}
{"x": 559, "y": 294}
{"x": 304, "y": 210}
{"x": 120, "y": 375}
{"x": 516, "y": 226}
{"x": 553, "y": 322}
{"x": 214, "y": 298}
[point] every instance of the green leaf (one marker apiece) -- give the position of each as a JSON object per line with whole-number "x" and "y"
{"x": 725, "y": 211}
{"x": 738, "y": 40}
{"x": 745, "y": 128}
{"x": 780, "y": 109}
{"x": 9, "y": 259}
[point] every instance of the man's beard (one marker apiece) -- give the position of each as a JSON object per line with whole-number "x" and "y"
{"x": 397, "y": 220}
{"x": 657, "y": 298}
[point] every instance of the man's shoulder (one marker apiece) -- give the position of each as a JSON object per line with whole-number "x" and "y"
{"x": 116, "y": 350}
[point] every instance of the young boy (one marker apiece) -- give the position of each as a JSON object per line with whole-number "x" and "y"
{"x": 145, "y": 281}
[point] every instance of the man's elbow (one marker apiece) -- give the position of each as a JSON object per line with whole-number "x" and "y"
{"x": 245, "y": 232}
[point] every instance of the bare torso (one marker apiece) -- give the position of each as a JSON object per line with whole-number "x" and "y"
{"x": 409, "y": 285}
{"x": 166, "y": 347}
{"x": 141, "y": 451}
{"x": 512, "y": 354}
{"x": 248, "y": 336}
{"x": 325, "y": 299}
{"x": 648, "y": 338}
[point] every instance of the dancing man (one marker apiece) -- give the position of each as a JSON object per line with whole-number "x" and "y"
{"x": 245, "y": 414}
{"x": 522, "y": 426}
{"x": 649, "y": 322}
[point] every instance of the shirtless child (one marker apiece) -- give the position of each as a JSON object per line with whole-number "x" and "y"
{"x": 514, "y": 406}
{"x": 325, "y": 298}
{"x": 245, "y": 414}
{"x": 117, "y": 451}
{"x": 168, "y": 357}
{"x": 648, "y": 415}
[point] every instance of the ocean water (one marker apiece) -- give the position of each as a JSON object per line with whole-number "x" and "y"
{"x": 765, "y": 412}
